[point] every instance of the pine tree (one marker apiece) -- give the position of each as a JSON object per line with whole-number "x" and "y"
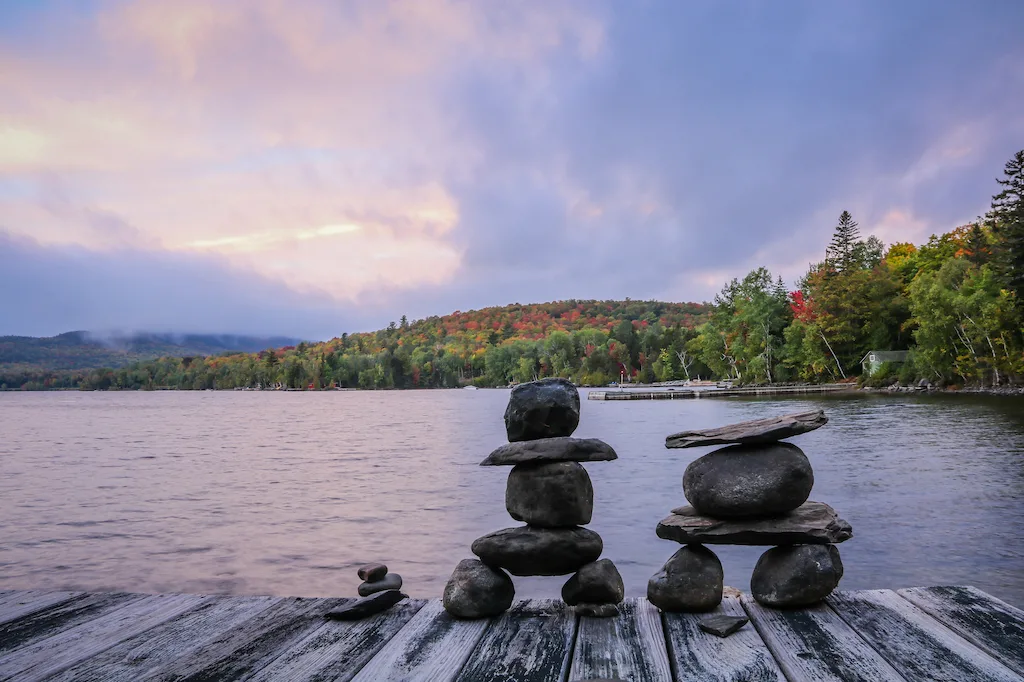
{"x": 1007, "y": 215}
{"x": 840, "y": 252}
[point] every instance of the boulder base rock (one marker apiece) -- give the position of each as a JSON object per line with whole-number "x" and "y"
{"x": 810, "y": 523}
{"x": 539, "y": 551}
{"x": 800, "y": 575}
{"x": 595, "y": 583}
{"x": 563, "y": 449}
{"x": 367, "y": 606}
{"x": 749, "y": 481}
{"x": 691, "y": 580}
{"x": 392, "y": 581}
{"x": 596, "y": 610}
{"x": 542, "y": 409}
{"x": 372, "y": 572}
{"x": 550, "y": 494}
{"x": 722, "y": 625}
{"x": 476, "y": 590}
{"x": 751, "y": 432}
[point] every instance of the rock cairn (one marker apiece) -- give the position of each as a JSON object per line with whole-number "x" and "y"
{"x": 552, "y": 493}
{"x": 378, "y": 592}
{"x": 752, "y": 492}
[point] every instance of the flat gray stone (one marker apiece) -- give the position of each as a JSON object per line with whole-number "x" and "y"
{"x": 722, "y": 625}
{"x": 477, "y": 590}
{"x": 596, "y": 610}
{"x": 692, "y": 580}
{"x": 802, "y": 575}
{"x": 392, "y": 581}
{"x": 551, "y": 450}
{"x": 596, "y": 583}
{"x": 749, "y": 481}
{"x": 542, "y": 409}
{"x": 539, "y": 551}
{"x": 755, "y": 431}
{"x": 550, "y": 494}
{"x": 812, "y": 523}
{"x": 367, "y": 606}
{"x": 372, "y": 572}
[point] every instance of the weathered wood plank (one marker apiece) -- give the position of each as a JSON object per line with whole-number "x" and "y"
{"x": 816, "y": 644}
{"x": 432, "y": 646}
{"x": 249, "y": 646}
{"x": 61, "y": 616}
{"x": 914, "y": 643}
{"x": 183, "y": 637}
{"x": 15, "y": 604}
{"x": 980, "y": 618}
{"x": 696, "y": 655}
{"x": 530, "y": 642}
{"x": 630, "y": 646}
{"x": 53, "y": 654}
{"x": 338, "y": 650}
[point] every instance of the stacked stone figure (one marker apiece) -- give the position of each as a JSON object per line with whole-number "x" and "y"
{"x": 753, "y": 492}
{"x": 378, "y": 592}
{"x": 552, "y": 493}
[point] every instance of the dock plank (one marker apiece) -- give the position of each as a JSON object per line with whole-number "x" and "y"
{"x": 816, "y": 644}
{"x": 630, "y": 646}
{"x": 432, "y": 646}
{"x": 60, "y": 616}
{"x": 182, "y": 637}
{"x": 15, "y": 604}
{"x": 338, "y": 650}
{"x": 698, "y": 656}
{"x": 914, "y": 643}
{"x": 53, "y": 654}
{"x": 988, "y": 623}
{"x": 250, "y": 646}
{"x": 530, "y": 642}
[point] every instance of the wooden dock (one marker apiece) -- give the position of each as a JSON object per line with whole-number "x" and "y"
{"x": 932, "y": 633}
{"x": 690, "y": 393}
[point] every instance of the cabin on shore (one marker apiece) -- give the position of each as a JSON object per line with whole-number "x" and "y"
{"x": 874, "y": 359}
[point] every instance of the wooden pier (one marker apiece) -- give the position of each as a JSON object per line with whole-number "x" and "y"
{"x": 690, "y": 393}
{"x": 932, "y": 633}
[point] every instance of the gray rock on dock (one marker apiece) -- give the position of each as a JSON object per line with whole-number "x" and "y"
{"x": 367, "y": 606}
{"x": 751, "y": 432}
{"x": 539, "y": 551}
{"x": 722, "y": 625}
{"x": 691, "y": 580}
{"x": 749, "y": 481}
{"x": 392, "y": 581}
{"x": 477, "y": 590}
{"x": 372, "y": 572}
{"x": 542, "y": 409}
{"x": 550, "y": 494}
{"x": 810, "y": 523}
{"x": 562, "y": 449}
{"x": 596, "y": 610}
{"x": 596, "y": 583}
{"x": 801, "y": 575}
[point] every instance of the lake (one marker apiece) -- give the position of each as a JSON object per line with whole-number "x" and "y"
{"x": 287, "y": 493}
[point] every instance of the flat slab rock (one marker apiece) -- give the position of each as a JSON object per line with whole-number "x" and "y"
{"x": 358, "y": 609}
{"x": 812, "y": 523}
{"x": 722, "y": 625}
{"x": 563, "y": 449}
{"x": 756, "y": 431}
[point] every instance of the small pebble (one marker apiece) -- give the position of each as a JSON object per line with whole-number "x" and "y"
{"x": 371, "y": 573}
{"x": 722, "y": 625}
{"x": 392, "y": 581}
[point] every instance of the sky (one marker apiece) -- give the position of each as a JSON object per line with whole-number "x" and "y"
{"x": 308, "y": 168}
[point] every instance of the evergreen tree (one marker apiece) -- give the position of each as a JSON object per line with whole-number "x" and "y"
{"x": 1007, "y": 216}
{"x": 842, "y": 250}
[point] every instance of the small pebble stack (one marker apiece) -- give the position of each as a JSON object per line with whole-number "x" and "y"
{"x": 379, "y": 591}
{"x": 552, "y": 493}
{"x": 753, "y": 492}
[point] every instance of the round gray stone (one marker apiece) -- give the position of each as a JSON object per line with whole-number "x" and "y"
{"x": 542, "y": 409}
{"x": 392, "y": 581}
{"x": 749, "y": 481}
{"x": 550, "y": 495}
{"x": 477, "y": 590}
{"x": 691, "y": 580}
{"x": 596, "y": 583}
{"x": 539, "y": 551}
{"x": 798, "y": 575}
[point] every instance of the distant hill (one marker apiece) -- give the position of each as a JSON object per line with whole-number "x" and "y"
{"x": 83, "y": 350}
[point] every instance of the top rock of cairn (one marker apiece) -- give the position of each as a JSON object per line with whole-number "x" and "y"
{"x": 542, "y": 409}
{"x": 758, "y": 431}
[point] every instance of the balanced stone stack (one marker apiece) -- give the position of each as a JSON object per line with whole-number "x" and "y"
{"x": 552, "y": 493}
{"x": 753, "y": 492}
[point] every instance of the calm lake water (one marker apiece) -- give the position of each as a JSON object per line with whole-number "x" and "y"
{"x": 287, "y": 493}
